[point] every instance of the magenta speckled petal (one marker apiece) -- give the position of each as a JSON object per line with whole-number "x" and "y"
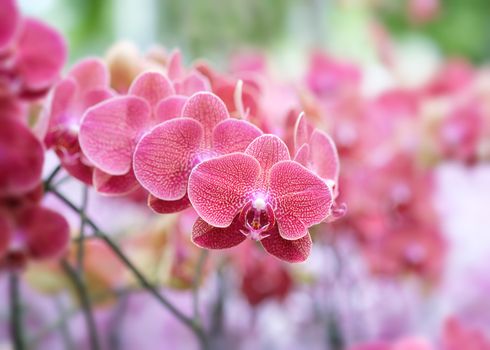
{"x": 292, "y": 251}
{"x": 170, "y": 108}
{"x": 110, "y": 131}
{"x": 41, "y": 53}
{"x": 165, "y": 157}
{"x": 167, "y": 207}
{"x": 21, "y": 158}
{"x": 268, "y": 150}
{"x": 301, "y": 198}
{"x": 208, "y": 110}
{"x": 152, "y": 86}
{"x": 210, "y": 237}
{"x": 233, "y": 135}
{"x": 175, "y": 68}
{"x": 112, "y": 185}
{"x": 46, "y": 232}
{"x": 219, "y": 187}
{"x": 303, "y": 155}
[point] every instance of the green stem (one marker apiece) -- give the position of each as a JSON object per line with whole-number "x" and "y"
{"x": 189, "y": 322}
{"x": 49, "y": 180}
{"x": 64, "y": 326}
{"x": 85, "y": 303}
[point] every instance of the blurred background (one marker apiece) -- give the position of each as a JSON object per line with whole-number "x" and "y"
{"x": 397, "y": 44}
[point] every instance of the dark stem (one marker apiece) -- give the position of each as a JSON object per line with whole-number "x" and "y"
{"x": 81, "y": 241}
{"x": 85, "y": 303}
{"x": 64, "y": 326}
{"x": 197, "y": 282}
{"x": 49, "y": 180}
{"x": 15, "y": 313}
{"x": 189, "y": 322}
{"x": 116, "y": 322}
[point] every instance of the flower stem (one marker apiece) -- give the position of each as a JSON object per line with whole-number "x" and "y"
{"x": 15, "y": 313}
{"x": 189, "y": 322}
{"x": 196, "y": 282}
{"x": 81, "y": 241}
{"x": 85, "y": 303}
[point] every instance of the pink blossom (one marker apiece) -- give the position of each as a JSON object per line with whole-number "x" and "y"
{"x": 260, "y": 194}
{"x": 85, "y": 85}
{"x": 25, "y": 68}
{"x": 31, "y": 232}
{"x": 165, "y": 156}
{"x": 21, "y": 158}
{"x": 457, "y": 336}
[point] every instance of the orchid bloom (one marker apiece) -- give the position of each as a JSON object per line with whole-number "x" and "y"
{"x": 25, "y": 68}
{"x": 165, "y": 156}
{"x": 85, "y": 85}
{"x": 31, "y": 232}
{"x": 22, "y": 159}
{"x": 316, "y": 151}
{"x": 260, "y": 194}
{"x": 185, "y": 83}
{"x": 110, "y": 130}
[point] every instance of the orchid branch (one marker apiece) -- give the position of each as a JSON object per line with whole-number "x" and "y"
{"x": 15, "y": 313}
{"x": 189, "y": 322}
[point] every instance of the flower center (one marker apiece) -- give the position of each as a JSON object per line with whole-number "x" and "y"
{"x": 258, "y": 218}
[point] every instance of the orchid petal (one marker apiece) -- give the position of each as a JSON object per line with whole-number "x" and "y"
{"x": 268, "y": 150}
{"x": 219, "y": 187}
{"x": 303, "y": 155}
{"x": 170, "y": 108}
{"x": 152, "y": 86}
{"x": 210, "y": 237}
{"x": 114, "y": 185}
{"x": 110, "y": 131}
{"x": 300, "y": 197}
{"x": 167, "y": 207}
{"x": 302, "y": 131}
{"x": 37, "y": 68}
{"x": 21, "y": 160}
{"x": 46, "y": 232}
{"x": 175, "y": 69}
{"x": 165, "y": 157}
{"x": 192, "y": 83}
{"x": 207, "y": 109}
{"x": 90, "y": 74}
{"x": 234, "y": 135}
{"x": 292, "y": 251}
{"x": 5, "y": 234}
{"x": 9, "y": 20}
{"x": 324, "y": 156}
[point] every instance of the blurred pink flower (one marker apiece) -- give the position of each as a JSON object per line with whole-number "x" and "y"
{"x": 31, "y": 54}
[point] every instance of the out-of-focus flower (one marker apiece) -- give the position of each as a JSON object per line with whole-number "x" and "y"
{"x": 423, "y": 11}
{"x": 26, "y": 70}
{"x": 85, "y": 85}
{"x": 407, "y": 343}
{"x": 165, "y": 156}
{"x": 260, "y": 194}
{"x": 459, "y": 336}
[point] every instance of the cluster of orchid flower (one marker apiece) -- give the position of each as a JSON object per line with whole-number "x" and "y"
{"x": 238, "y": 149}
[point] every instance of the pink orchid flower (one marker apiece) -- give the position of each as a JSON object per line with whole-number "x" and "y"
{"x": 260, "y": 194}
{"x": 85, "y": 85}
{"x": 458, "y": 335}
{"x": 21, "y": 160}
{"x": 31, "y": 232}
{"x": 110, "y": 130}
{"x": 25, "y": 68}
{"x": 185, "y": 82}
{"x": 165, "y": 156}
{"x": 317, "y": 152}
